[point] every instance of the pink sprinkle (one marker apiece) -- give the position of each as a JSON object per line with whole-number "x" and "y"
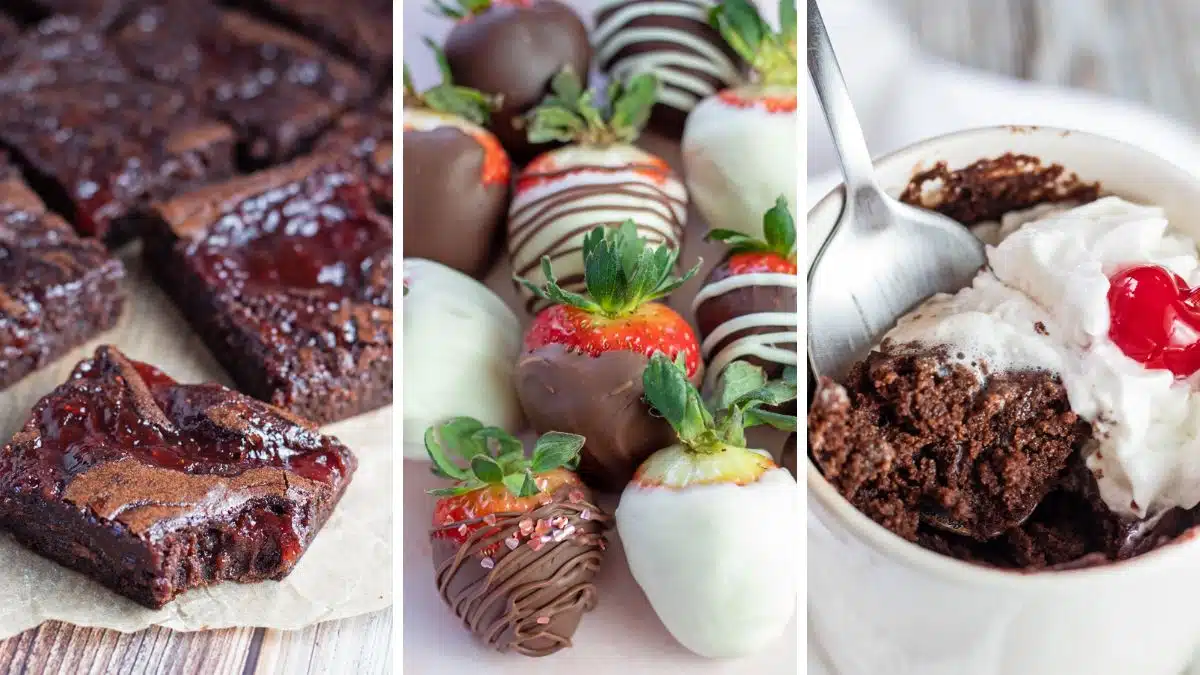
{"x": 490, "y": 519}
{"x": 559, "y": 522}
{"x": 575, "y": 496}
{"x": 542, "y": 527}
{"x": 512, "y": 543}
{"x": 603, "y": 544}
{"x": 559, "y": 535}
{"x": 536, "y": 544}
{"x": 487, "y": 563}
{"x": 586, "y": 514}
{"x": 543, "y": 620}
{"x": 526, "y": 526}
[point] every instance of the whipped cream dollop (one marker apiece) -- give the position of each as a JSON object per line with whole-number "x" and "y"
{"x": 1042, "y": 304}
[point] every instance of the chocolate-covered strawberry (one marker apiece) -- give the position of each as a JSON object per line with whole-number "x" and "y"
{"x": 456, "y": 176}
{"x": 747, "y": 307}
{"x": 512, "y": 49}
{"x": 516, "y": 539}
{"x": 740, "y": 146}
{"x": 673, "y": 40}
{"x": 706, "y": 521}
{"x": 600, "y": 179}
{"x": 581, "y": 370}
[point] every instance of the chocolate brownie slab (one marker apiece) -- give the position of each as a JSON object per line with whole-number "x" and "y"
{"x": 153, "y": 487}
{"x": 287, "y": 276}
{"x": 99, "y": 14}
{"x": 56, "y": 289}
{"x": 359, "y": 29}
{"x": 99, "y": 142}
{"x": 277, "y": 89}
{"x": 366, "y": 136}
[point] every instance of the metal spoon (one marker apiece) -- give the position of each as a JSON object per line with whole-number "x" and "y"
{"x": 882, "y": 257}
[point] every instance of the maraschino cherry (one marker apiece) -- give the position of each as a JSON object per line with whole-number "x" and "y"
{"x": 1155, "y": 318}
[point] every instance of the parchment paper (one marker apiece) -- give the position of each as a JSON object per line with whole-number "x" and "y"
{"x": 623, "y": 634}
{"x": 346, "y": 571}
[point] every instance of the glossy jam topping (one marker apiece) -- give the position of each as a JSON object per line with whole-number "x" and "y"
{"x": 316, "y": 234}
{"x": 1155, "y": 319}
{"x": 102, "y": 415}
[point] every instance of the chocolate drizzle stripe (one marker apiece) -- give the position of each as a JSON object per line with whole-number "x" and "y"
{"x": 521, "y": 575}
{"x": 537, "y": 213}
{"x": 555, "y": 251}
{"x": 638, "y": 168}
{"x": 523, "y": 233}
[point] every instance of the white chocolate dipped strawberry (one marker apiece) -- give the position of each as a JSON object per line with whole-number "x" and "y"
{"x": 599, "y": 179}
{"x": 704, "y": 519}
{"x": 740, "y": 146}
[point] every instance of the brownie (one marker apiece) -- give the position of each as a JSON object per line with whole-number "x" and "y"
{"x": 99, "y": 142}
{"x": 8, "y": 32}
{"x": 57, "y": 290}
{"x": 153, "y": 487}
{"x": 366, "y": 136}
{"x": 99, "y": 14}
{"x": 287, "y": 276}
{"x": 358, "y": 29}
{"x": 278, "y": 90}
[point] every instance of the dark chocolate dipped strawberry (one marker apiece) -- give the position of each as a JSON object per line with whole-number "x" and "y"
{"x": 599, "y": 179}
{"x": 740, "y": 145}
{"x": 513, "y": 49}
{"x": 581, "y": 371}
{"x": 673, "y": 40}
{"x": 456, "y": 176}
{"x": 747, "y": 307}
{"x": 516, "y": 539}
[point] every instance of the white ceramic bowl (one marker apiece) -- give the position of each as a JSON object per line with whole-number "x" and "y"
{"x": 880, "y": 605}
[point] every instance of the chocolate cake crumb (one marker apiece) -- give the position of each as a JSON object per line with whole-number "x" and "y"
{"x": 913, "y": 437}
{"x": 990, "y": 188}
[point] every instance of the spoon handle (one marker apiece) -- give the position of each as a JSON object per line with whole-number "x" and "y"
{"x": 847, "y": 134}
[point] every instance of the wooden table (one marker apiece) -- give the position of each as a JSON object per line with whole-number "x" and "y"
{"x": 1144, "y": 51}
{"x": 361, "y": 645}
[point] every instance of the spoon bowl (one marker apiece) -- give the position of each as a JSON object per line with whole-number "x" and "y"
{"x": 882, "y": 257}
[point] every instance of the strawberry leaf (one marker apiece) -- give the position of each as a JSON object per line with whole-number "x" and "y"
{"x": 779, "y": 228}
{"x": 772, "y": 55}
{"x": 622, "y": 271}
{"x": 736, "y": 381}
{"x": 675, "y": 398}
{"x": 448, "y": 98}
{"x": 570, "y": 113}
{"x": 521, "y": 484}
{"x": 556, "y": 449}
{"x": 459, "y": 9}
{"x": 487, "y": 469}
{"x": 457, "y": 435}
{"x": 757, "y": 416}
{"x": 498, "y": 441}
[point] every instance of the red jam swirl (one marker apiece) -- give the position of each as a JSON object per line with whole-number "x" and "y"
{"x": 1155, "y": 319}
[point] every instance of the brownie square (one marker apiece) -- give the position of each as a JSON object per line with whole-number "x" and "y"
{"x": 359, "y": 29}
{"x": 99, "y": 142}
{"x": 287, "y": 276}
{"x": 366, "y": 136}
{"x": 277, "y": 89}
{"x": 99, "y": 14}
{"x": 153, "y": 487}
{"x": 57, "y": 290}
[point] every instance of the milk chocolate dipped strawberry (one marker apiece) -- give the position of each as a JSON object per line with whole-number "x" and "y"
{"x": 601, "y": 178}
{"x": 705, "y": 517}
{"x": 455, "y": 176}
{"x": 581, "y": 371}
{"x": 740, "y": 146}
{"x": 512, "y": 49}
{"x": 747, "y": 307}
{"x": 516, "y": 539}
{"x": 673, "y": 40}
